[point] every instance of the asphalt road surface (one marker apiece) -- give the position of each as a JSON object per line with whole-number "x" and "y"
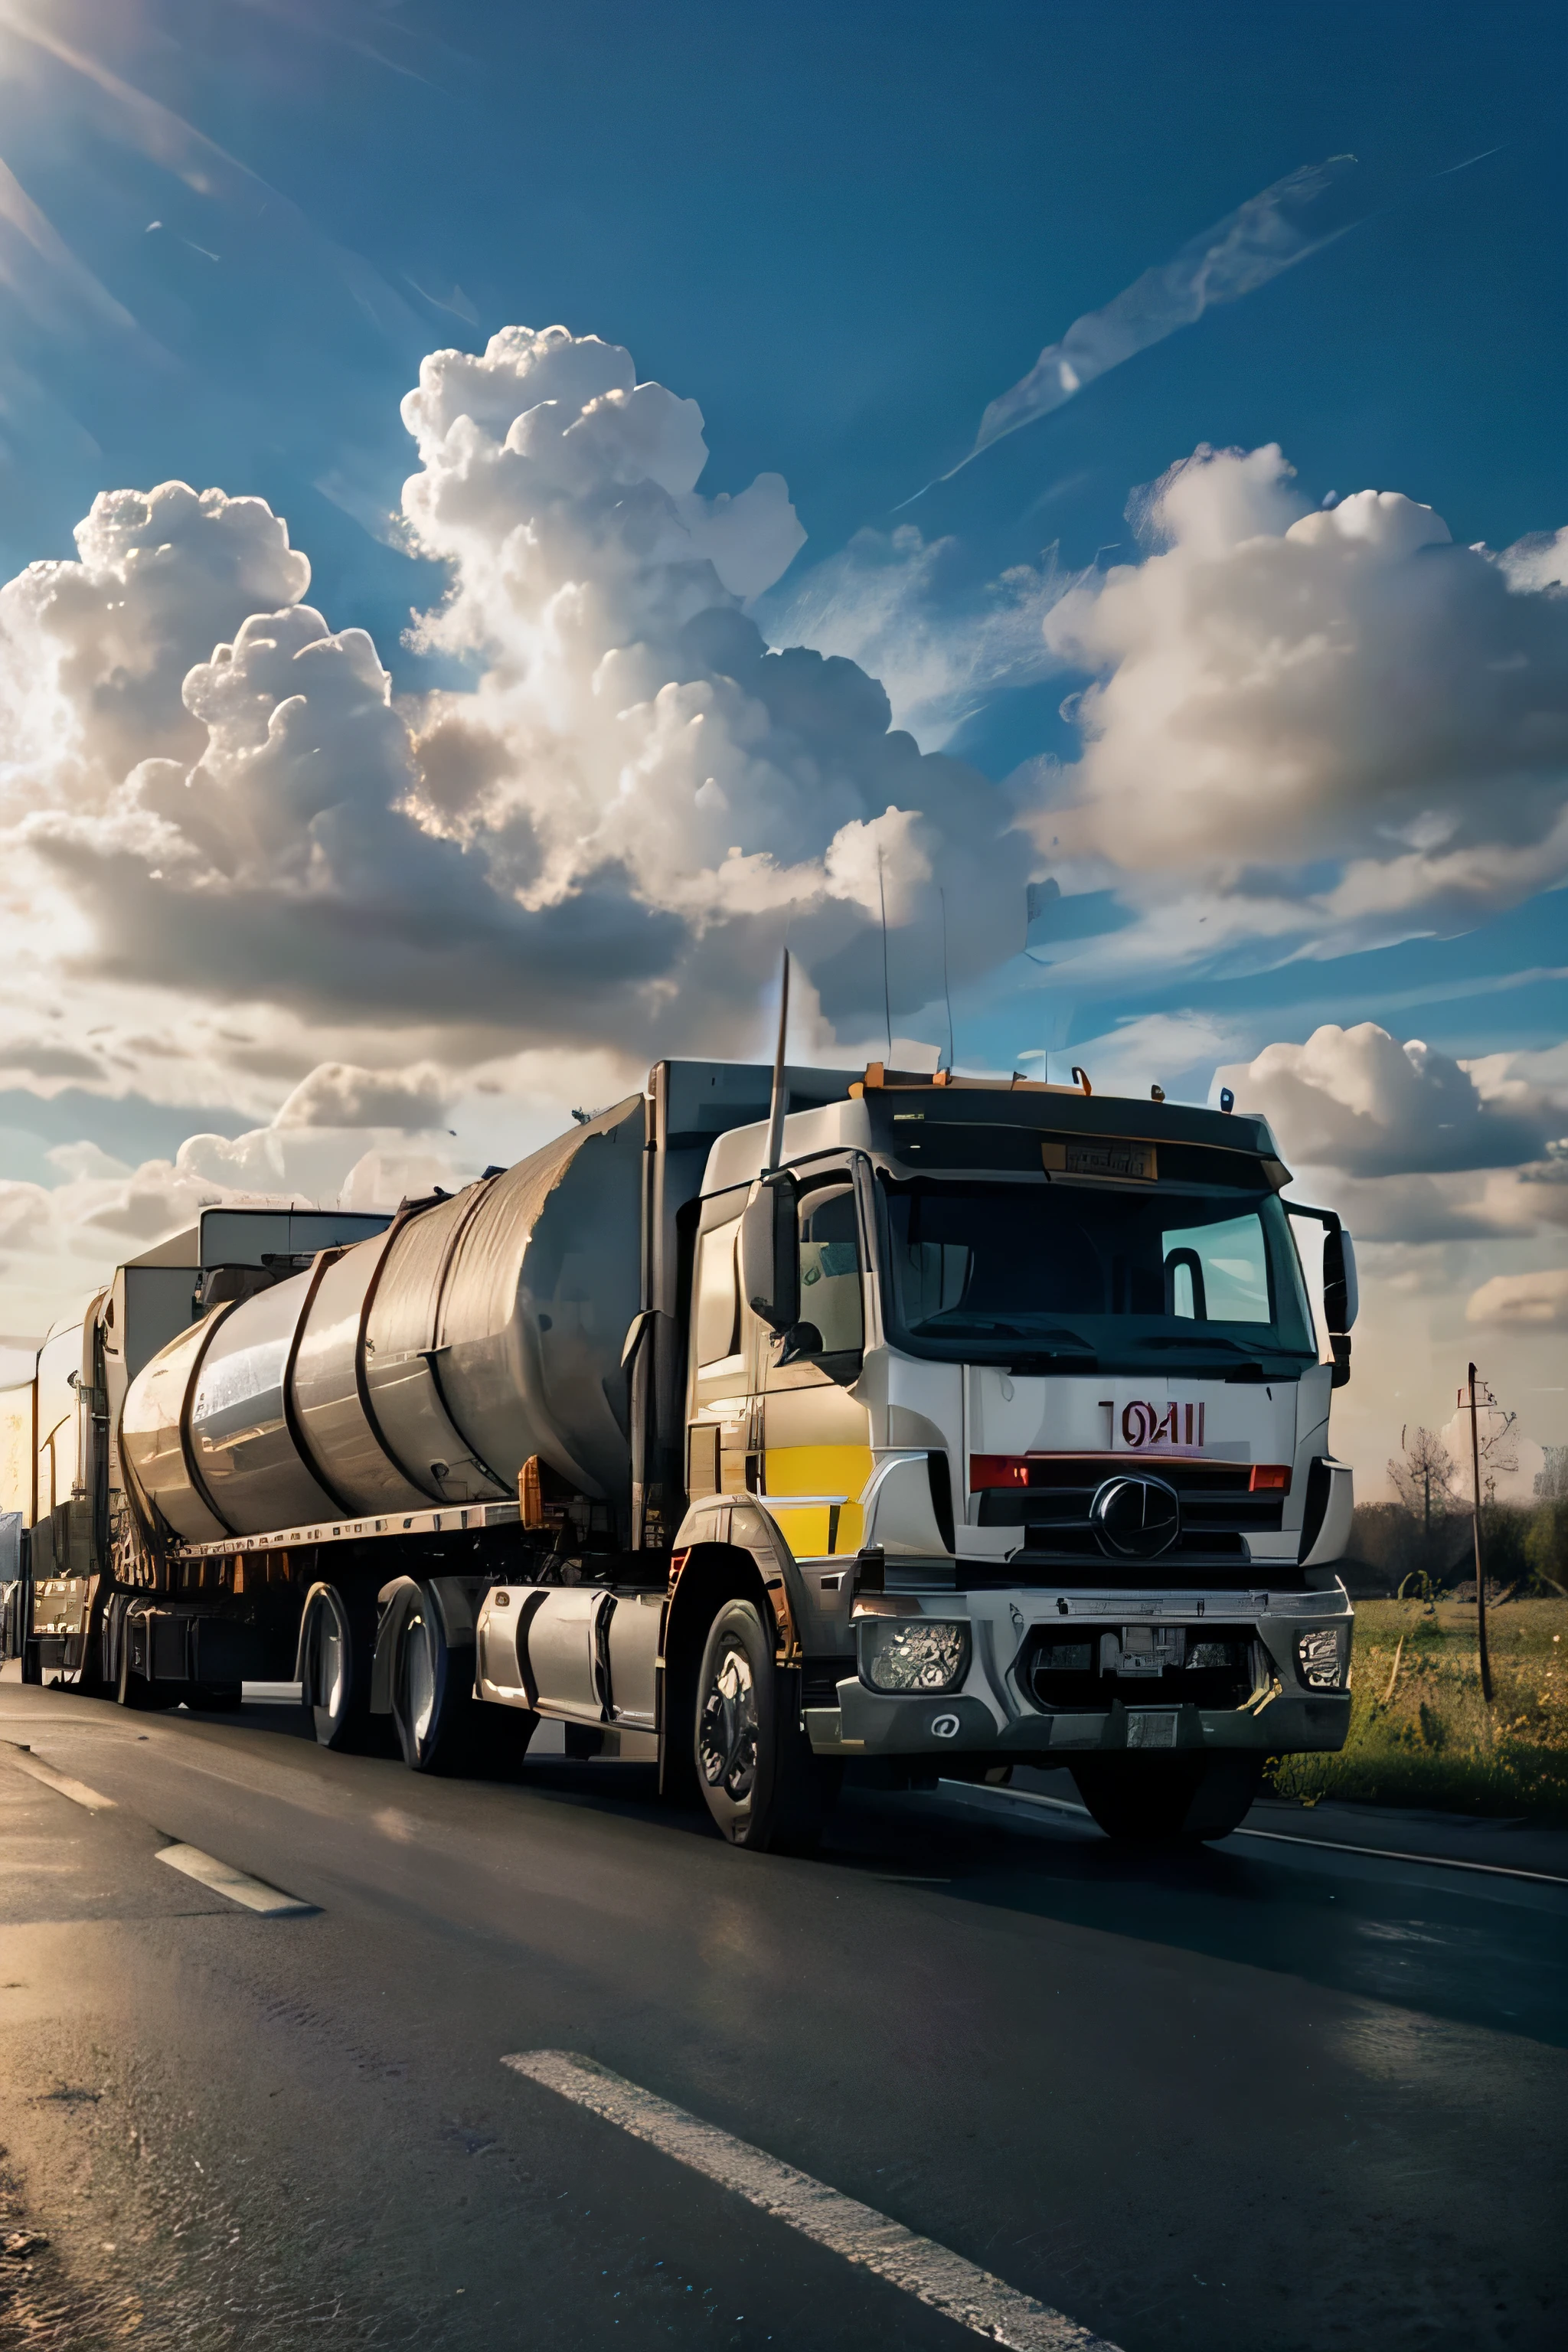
{"x": 1264, "y": 2096}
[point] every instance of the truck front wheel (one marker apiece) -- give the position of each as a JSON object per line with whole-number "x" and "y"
{"x": 763, "y": 1785}
{"x": 1152, "y": 1800}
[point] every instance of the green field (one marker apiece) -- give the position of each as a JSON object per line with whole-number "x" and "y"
{"x": 1428, "y": 1739}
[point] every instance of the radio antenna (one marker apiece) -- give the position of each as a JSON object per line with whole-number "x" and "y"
{"x": 887, "y": 991}
{"x": 947, "y": 992}
{"x": 780, "y": 1099}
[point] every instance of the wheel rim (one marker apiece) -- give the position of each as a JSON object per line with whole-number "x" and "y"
{"x": 331, "y": 1664}
{"x": 728, "y": 1740}
{"x": 419, "y": 1680}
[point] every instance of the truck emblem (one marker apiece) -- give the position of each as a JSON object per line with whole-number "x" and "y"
{"x": 1137, "y": 1519}
{"x": 944, "y": 1727}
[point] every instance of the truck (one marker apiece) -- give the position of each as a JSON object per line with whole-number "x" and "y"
{"x": 772, "y": 1427}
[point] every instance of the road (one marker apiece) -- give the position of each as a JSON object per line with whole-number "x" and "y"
{"x": 1264, "y": 2096}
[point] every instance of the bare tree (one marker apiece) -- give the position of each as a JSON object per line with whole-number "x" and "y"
{"x": 1424, "y": 1477}
{"x": 1552, "y": 1481}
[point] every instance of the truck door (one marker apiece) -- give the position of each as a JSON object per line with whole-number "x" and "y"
{"x": 815, "y": 1436}
{"x": 724, "y": 1348}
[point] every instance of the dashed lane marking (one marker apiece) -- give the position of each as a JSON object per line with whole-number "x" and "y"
{"x": 61, "y": 1782}
{"x": 933, "y": 2274}
{"x": 224, "y": 1879}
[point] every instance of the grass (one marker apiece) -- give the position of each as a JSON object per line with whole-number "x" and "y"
{"x": 1420, "y": 1733}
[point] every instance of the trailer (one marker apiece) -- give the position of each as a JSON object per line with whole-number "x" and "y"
{"x": 771, "y": 1426}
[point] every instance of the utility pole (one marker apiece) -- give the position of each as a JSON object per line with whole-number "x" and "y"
{"x": 1480, "y": 1563}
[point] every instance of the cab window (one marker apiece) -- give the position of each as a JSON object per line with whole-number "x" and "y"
{"x": 830, "y": 1289}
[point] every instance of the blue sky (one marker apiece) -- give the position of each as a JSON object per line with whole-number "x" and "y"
{"x": 231, "y": 232}
{"x": 843, "y": 233}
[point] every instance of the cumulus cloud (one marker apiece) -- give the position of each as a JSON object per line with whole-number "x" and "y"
{"x": 628, "y": 811}
{"x": 337, "y": 1094}
{"x": 1409, "y": 1145}
{"x": 1338, "y": 721}
{"x": 93, "y": 653}
{"x": 1533, "y": 1302}
{"x": 1358, "y": 1100}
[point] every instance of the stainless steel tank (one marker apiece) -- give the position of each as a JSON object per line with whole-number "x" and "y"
{"x": 422, "y": 1366}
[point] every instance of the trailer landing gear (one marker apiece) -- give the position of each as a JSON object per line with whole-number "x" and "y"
{"x": 763, "y": 1785}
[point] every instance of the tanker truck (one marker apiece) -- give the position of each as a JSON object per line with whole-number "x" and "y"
{"x": 770, "y": 1427}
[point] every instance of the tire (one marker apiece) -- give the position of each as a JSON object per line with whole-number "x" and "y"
{"x": 334, "y": 1670}
{"x": 433, "y": 1704}
{"x": 1145, "y": 1801}
{"x": 761, "y": 1784}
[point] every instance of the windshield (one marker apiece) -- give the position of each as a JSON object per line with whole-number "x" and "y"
{"x": 1048, "y": 1278}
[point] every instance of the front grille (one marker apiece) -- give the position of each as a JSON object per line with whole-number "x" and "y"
{"x": 1218, "y": 1509}
{"x": 1074, "y": 1669}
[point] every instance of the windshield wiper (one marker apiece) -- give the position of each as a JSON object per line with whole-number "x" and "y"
{"x": 1072, "y": 1360}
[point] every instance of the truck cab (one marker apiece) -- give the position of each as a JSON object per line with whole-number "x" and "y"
{"x": 1019, "y": 1398}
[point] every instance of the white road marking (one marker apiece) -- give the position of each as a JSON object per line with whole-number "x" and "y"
{"x": 224, "y": 1879}
{"x": 1392, "y": 1853}
{"x": 988, "y": 2306}
{"x": 967, "y": 1789}
{"x": 61, "y": 1782}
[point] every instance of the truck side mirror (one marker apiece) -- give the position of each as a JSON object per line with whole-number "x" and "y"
{"x": 1340, "y": 1290}
{"x": 770, "y": 1252}
{"x": 1341, "y": 1295}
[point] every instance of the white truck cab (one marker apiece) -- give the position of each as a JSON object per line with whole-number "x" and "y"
{"x": 1017, "y": 1396}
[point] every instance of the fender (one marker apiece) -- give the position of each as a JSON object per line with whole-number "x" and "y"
{"x": 743, "y": 1523}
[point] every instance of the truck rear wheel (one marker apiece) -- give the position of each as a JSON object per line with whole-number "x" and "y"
{"x": 763, "y": 1785}
{"x": 433, "y": 1702}
{"x": 1148, "y": 1800}
{"x": 334, "y": 1668}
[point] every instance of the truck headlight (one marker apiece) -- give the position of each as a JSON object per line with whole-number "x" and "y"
{"x": 1322, "y": 1653}
{"x": 914, "y": 1654}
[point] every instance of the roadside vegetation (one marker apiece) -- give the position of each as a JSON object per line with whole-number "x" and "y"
{"x": 1420, "y": 1731}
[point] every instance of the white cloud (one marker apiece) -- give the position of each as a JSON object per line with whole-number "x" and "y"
{"x": 93, "y": 653}
{"x": 1269, "y": 233}
{"x": 1535, "y": 1302}
{"x": 1358, "y": 1100}
{"x": 1339, "y": 721}
{"x": 58, "y": 1243}
{"x": 337, "y": 1094}
{"x": 606, "y": 837}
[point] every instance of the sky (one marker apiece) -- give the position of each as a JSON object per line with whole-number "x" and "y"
{"x": 510, "y": 518}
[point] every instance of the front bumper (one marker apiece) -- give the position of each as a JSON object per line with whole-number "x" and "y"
{"x": 994, "y": 1712}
